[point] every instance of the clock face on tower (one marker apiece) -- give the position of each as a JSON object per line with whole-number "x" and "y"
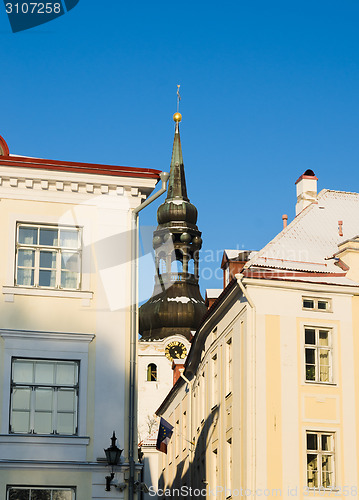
{"x": 175, "y": 350}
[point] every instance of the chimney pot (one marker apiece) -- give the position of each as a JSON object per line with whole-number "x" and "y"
{"x": 285, "y": 220}
{"x": 340, "y": 224}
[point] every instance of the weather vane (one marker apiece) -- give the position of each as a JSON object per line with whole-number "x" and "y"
{"x": 178, "y": 97}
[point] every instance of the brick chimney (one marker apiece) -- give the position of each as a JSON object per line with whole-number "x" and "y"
{"x": 177, "y": 367}
{"x": 233, "y": 262}
{"x": 306, "y": 190}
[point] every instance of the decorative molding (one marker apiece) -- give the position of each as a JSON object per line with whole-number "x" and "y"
{"x": 58, "y": 465}
{"x": 73, "y": 183}
{"x": 38, "y": 335}
{"x": 52, "y": 440}
{"x": 42, "y": 292}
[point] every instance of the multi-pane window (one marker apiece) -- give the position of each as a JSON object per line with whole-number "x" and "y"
{"x": 38, "y": 493}
{"x": 44, "y": 396}
{"x": 320, "y": 460}
{"x": 48, "y": 256}
{"x": 318, "y": 355}
{"x": 316, "y": 304}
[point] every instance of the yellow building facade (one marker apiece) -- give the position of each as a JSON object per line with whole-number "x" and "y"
{"x": 267, "y": 405}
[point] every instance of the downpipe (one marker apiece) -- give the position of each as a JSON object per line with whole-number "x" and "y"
{"x": 132, "y": 448}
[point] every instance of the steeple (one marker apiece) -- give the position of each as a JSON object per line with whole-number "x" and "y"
{"x": 177, "y": 182}
{"x": 176, "y": 305}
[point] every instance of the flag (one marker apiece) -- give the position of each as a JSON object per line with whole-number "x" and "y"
{"x": 165, "y": 432}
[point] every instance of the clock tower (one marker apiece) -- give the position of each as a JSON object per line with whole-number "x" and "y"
{"x": 170, "y": 317}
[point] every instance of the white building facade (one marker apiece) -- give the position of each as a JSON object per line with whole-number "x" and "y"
{"x": 64, "y": 327}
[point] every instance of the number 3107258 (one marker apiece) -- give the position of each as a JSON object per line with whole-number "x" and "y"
{"x": 33, "y": 8}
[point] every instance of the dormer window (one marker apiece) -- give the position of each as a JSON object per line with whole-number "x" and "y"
{"x": 317, "y": 304}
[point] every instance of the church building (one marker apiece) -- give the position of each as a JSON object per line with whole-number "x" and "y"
{"x": 170, "y": 317}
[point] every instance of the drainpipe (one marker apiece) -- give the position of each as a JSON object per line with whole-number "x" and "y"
{"x": 189, "y": 420}
{"x": 239, "y": 277}
{"x": 132, "y": 449}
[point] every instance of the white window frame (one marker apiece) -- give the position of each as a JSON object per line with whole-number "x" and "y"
{"x": 316, "y": 301}
{"x": 317, "y": 347}
{"x": 46, "y": 345}
{"x": 55, "y": 388}
{"x": 320, "y": 453}
{"x": 58, "y": 249}
{"x": 30, "y": 489}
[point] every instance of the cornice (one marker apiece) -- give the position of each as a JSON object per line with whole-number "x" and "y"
{"x": 38, "y": 335}
{"x": 72, "y": 183}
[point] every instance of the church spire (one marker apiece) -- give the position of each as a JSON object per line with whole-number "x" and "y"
{"x": 176, "y": 306}
{"x": 177, "y": 188}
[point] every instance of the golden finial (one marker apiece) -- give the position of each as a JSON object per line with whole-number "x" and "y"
{"x": 177, "y": 116}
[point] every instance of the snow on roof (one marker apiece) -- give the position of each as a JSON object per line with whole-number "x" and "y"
{"x": 213, "y": 293}
{"x": 238, "y": 254}
{"x": 311, "y": 239}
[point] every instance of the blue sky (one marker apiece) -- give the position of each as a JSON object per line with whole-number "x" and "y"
{"x": 268, "y": 89}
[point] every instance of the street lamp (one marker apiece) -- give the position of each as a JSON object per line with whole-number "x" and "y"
{"x": 113, "y": 454}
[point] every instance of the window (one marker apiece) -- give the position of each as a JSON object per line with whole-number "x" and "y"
{"x": 48, "y": 256}
{"x": 315, "y": 304}
{"x": 229, "y": 366}
{"x": 44, "y": 396}
{"x": 229, "y": 465}
{"x": 214, "y": 381}
{"x": 38, "y": 493}
{"x": 184, "y": 430}
{"x": 151, "y": 373}
{"x": 214, "y": 475}
{"x": 318, "y": 355}
{"x": 320, "y": 460}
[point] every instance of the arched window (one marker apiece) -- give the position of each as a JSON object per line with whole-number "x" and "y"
{"x": 177, "y": 262}
{"x": 191, "y": 266}
{"x": 176, "y": 266}
{"x": 162, "y": 263}
{"x": 151, "y": 372}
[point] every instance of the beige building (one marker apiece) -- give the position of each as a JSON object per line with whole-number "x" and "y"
{"x": 268, "y": 404}
{"x": 64, "y": 325}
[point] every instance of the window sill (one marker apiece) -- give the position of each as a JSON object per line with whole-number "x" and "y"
{"x": 314, "y": 382}
{"x": 43, "y": 439}
{"x": 316, "y": 310}
{"x": 10, "y": 291}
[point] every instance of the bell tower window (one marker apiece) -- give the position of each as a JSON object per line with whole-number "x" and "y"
{"x": 152, "y": 372}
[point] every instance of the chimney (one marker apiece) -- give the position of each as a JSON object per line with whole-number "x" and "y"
{"x": 285, "y": 220}
{"x": 306, "y": 190}
{"x": 177, "y": 367}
